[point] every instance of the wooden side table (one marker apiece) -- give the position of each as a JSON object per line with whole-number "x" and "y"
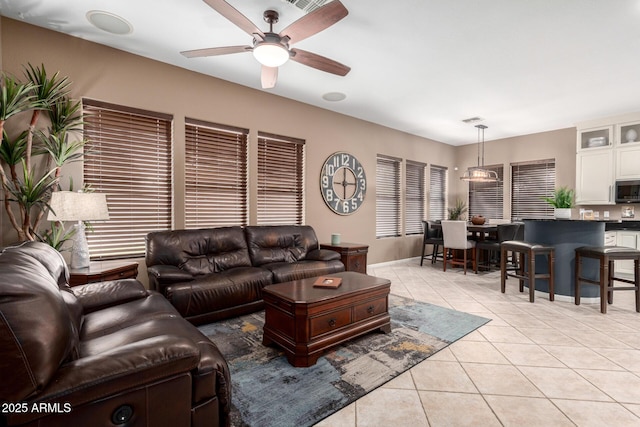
{"x": 353, "y": 255}
{"x": 101, "y": 271}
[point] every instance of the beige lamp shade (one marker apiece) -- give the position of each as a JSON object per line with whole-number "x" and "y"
{"x": 78, "y": 206}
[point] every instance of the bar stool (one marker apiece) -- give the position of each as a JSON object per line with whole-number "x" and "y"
{"x": 606, "y": 256}
{"x": 527, "y": 251}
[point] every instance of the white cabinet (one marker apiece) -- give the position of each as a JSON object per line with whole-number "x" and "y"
{"x": 606, "y": 150}
{"x": 628, "y": 161}
{"x": 630, "y": 239}
{"x": 594, "y": 177}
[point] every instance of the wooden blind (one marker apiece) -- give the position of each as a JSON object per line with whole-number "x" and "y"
{"x": 128, "y": 158}
{"x": 437, "y": 193}
{"x": 280, "y": 180}
{"x": 485, "y": 198}
{"x": 216, "y": 192}
{"x": 414, "y": 197}
{"x": 387, "y": 197}
{"x": 530, "y": 182}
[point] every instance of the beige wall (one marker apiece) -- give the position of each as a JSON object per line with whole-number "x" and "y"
{"x": 114, "y": 76}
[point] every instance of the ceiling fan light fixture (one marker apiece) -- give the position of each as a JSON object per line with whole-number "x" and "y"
{"x": 271, "y": 54}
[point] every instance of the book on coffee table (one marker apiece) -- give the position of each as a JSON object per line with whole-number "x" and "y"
{"x": 327, "y": 282}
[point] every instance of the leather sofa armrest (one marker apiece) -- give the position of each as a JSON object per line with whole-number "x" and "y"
{"x": 322, "y": 255}
{"x": 121, "y": 369}
{"x": 99, "y": 295}
{"x": 166, "y": 274}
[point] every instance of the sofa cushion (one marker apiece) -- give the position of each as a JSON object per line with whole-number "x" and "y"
{"x": 36, "y": 331}
{"x": 199, "y": 252}
{"x": 218, "y": 291}
{"x": 280, "y": 243}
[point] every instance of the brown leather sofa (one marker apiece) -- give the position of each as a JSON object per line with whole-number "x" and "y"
{"x": 102, "y": 354}
{"x": 216, "y": 273}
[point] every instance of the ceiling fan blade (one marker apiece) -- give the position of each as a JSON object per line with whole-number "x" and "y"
{"x": 319, "y": 62}
{"x": 314, "y": 22}
{"x": 269, "y": 77}
{"x": 214, "y": 51}
{"x": 237, "y": 18}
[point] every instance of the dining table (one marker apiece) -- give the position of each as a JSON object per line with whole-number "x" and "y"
{"x": 478, "y": 231}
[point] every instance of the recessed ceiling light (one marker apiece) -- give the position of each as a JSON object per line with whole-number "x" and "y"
{"x": 334, "y": 96}
{"x": 109, "y": 22}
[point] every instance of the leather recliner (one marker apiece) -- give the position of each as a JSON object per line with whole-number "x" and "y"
{"x": 109, "y": 353}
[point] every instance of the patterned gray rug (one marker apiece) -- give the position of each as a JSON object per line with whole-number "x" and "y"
{"x": 267, "y": 391}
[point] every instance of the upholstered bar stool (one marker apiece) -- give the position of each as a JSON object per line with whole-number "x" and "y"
{"x": 526, "y": 252}
{"x": 606, "y": 256}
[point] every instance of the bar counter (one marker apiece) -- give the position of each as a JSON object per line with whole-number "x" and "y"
{"x": 565, "y": 235}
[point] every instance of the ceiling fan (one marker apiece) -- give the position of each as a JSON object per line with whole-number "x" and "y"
{"x": 272, "y": 49}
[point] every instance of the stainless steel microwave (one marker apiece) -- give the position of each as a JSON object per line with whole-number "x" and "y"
{"x": 628, "y": 191}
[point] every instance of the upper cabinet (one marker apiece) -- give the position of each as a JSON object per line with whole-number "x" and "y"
{"x": 606, "y": 150}
{"x": 600, "y": 137}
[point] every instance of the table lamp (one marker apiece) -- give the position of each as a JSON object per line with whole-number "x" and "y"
{"x": 78, "y": 206}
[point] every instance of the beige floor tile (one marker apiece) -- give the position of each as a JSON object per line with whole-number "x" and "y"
{"x": 476, "y": 351}
{"x": 562, "y": 383}
{"x": 624, "y": 387}
{"x": 474, "y": 336}
{"x": 457, "y": 409}
{"x": 444, "y": 355}
{"x": 597, "y": 414}
{"x": 500, "y": 379}
{"x": 629, "y": 359}
{"x": 597, "y": 339}
{"x": 527, "y": 355}
{"x": 633, "y": 408}
{"x": 523, "y": 320}
{"x": 581, "y": 357}
{"x": 547, "y": 336}
{"x": 504, "y": 334}
{"x": 442, "y": 376}
{"x": 402, "y": 381}
{"x": 526, "y": 411}
{"x": 390, "y": 407}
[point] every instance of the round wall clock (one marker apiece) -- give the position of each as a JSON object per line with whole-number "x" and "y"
{"x": 343, "y": 183}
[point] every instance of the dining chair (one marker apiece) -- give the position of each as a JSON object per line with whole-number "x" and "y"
{"x": 454, "y": 234}
{"x": 504, "y": 232}
{"x": 432, "y": 236}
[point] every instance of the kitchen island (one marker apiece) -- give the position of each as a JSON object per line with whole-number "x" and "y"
{"x": 565, "y": 235}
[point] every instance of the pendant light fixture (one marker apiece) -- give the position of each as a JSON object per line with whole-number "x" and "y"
{"x": 479, "y": 173}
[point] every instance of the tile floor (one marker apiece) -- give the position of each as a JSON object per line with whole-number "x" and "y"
{"x": 541, "y": 364}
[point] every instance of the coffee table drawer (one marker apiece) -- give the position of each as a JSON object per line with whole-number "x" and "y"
{"x": 370, "y": 309}
{"x": 329, "y": 322}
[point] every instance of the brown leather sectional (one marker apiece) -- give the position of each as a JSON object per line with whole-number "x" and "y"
{"x": 109, "y": 353}
{"x": 216, "y": 273}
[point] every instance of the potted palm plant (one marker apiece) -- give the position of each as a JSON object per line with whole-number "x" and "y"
{"x": 457, "y": 211}
{"x": 37, "y": 120}
{"x": 562, "y": 202}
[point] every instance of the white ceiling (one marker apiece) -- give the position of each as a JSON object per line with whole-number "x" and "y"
{"x": 420, "y": 66}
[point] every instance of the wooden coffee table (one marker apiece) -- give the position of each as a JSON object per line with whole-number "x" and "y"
{"x": 306, "y": 321}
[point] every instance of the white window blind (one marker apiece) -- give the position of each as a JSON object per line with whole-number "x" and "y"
{"x": 414, "y": 197}
{"x": 129, "y": 159}
{"x": 387, "y": 197}
{"x": 485, "y": 198}
{"x": 280, "y": 180}
{"x": 437, "y": 193}
{"x": 215, "y": 175}
{"x": 530, "y": 183}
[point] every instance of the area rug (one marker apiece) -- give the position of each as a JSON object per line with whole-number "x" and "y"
{"x": 267, "y": 391}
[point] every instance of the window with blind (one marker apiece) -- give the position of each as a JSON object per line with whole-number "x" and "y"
{"x": 530, "y": 183}
{"x": 485, "y": 198}
{"x": 387, "y": 197}
{"x": 129, "y": 159}
{"x": 280, "y": 180}
{"x": 414, "y": 203}
{"x": 215, "y": 175}
{"x": 437, "y": 193}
